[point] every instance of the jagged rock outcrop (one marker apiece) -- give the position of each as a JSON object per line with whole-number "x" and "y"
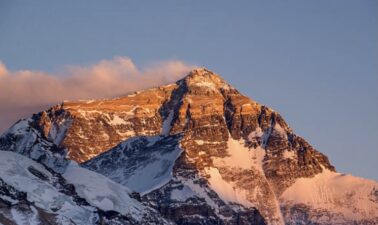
{"x": 199, "y": 152}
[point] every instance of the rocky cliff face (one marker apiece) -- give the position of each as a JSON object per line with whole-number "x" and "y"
{"x": 198, "y": 152}
{"x": 88, "y": 128}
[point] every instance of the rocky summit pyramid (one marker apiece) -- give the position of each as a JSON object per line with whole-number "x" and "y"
{"x": 193, "y": 152}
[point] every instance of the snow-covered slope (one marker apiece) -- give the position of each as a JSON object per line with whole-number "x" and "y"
{"x": 149, "y": 161}
{"x": 334, "y": 198}
{"x": 79, "y": 196}
{"x": 103, "y": 193}
{"x": 16, "y": 171}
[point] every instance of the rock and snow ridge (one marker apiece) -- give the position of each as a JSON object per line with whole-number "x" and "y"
{"x": 198, "y": 152}
{"x": 78, "y": 196}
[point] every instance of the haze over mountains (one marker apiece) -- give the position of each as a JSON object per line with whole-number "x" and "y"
{"x": 193, "y": 152}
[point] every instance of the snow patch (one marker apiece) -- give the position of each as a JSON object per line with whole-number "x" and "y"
{"x": 280, "y": 131}
{"x": 128, "y": 133}
{"x": 58, "y": 131}
{"x": 206, "y": 84}
{"x": 289, "y": 154}
{"x": 116, "y": 120}
{"x": 258, "y": 133}
{"x": 240, "y": 156}
{"x": 182, "y": 194}
{"x": 23, "y": 218}
{"x": 226, "y": 190}
{"x": 9, "y": 199}
{"x": 199, "y": 142}
{"x": 200, "y": 191}
{"x": 84, "y": 113}
{"x": 102, "y": 192}
{"x": 166, "y": 128}
{"x": 19, "y": 127}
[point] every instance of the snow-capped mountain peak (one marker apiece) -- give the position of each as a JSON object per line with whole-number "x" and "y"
{"x": 205, "y": 78}
{"x": 198, "y": 152}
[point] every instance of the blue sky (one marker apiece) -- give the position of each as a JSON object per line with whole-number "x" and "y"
{"x": 316, "y": 62}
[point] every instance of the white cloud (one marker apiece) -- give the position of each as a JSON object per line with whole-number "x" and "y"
{"x": 23, "y": 91}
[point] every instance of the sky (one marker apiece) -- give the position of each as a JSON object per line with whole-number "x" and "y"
{"x": 315, "y": 62}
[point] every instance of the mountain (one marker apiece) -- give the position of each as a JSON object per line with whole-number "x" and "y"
{"x": 193, "y": 152}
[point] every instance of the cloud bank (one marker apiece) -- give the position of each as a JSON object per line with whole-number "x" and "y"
{"x": 25, "y": 92}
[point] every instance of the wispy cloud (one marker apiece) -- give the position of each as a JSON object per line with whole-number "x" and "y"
{"x": 24, "y": 92}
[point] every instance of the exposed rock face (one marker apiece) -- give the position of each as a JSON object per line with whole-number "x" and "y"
{"x": 199, "y": 152}
{"x": 89, "y": 128}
